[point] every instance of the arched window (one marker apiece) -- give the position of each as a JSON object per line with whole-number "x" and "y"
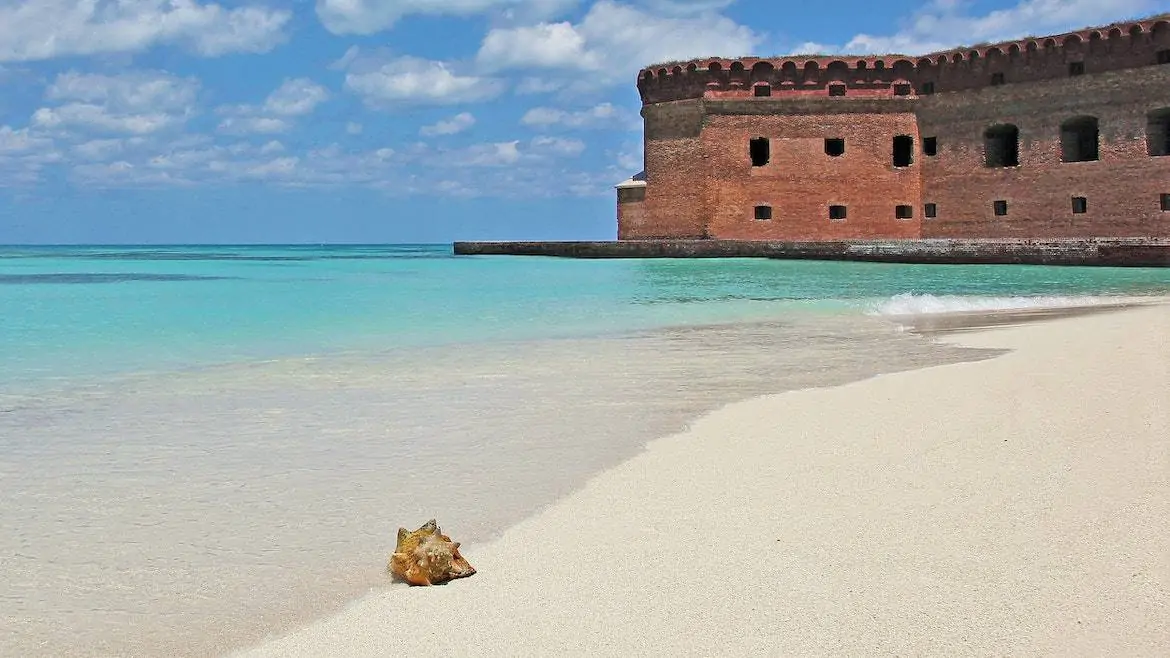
{"x": 1001, "y": 146}
{"x": 1158, "y": 132}
{"x": 1079, "y": 140}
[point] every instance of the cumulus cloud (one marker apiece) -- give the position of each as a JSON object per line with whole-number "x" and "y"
{"x": 137, "y": 102}
{"x": 260, "y": 125}
{"x": 945, "y": 24}
{"x": 612, "y": 41}
{"x": 558, "y": 146}
{"x": 20, "y": 141}
{"x": 133, "y": 90}
{"x": 54, "y": 28}
{"x": 454, "y": 125}
{"x": 370, "y": 16}
{"x": 416, "y": 81}
{"x": 293, "y": 98}
{"x": 604, "y": 115}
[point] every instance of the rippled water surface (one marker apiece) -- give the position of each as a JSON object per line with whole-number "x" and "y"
{"x": 199, "y": 446}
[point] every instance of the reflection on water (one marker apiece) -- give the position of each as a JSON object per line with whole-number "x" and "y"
{"x": 186, "y": 514}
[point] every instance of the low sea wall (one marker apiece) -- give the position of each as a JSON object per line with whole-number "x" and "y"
{"x": 1124, "y": 252}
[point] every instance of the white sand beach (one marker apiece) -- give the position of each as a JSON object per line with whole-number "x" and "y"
{"x": 1016, "y": 505}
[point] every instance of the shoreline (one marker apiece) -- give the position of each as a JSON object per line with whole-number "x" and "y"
{"x": 758, "y": 543}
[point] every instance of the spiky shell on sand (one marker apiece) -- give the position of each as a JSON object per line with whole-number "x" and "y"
{"x": 428, "y": 557}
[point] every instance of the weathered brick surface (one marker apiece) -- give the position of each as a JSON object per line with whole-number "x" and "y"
{"x": 1122, "y": 188}
{"x": 699, "y": 117}
{"x": 631, "y": 212}
{"x": 801, "y": 181}
{"x": 675, "y": 207}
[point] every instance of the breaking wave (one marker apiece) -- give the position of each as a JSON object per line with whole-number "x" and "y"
{"x": 915, "y": 304}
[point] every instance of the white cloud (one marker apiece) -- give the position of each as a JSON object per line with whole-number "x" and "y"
{"x": 613, "y": 41}
{"x": 137, "y": 102}
{"x": 20, "y": 141}
{"x": 45, "y": 29}
{"x": 411, "y": 80}
{"x": 272, "y": 147}
{"x": 558, "y": 146}
{"x": 455, "y": 124}
{"x": 295, "y": 97}
{"x": 535, "y": 154}
{"x": 489, "y": 155}
{"x": 534, "y": 85}
{"x": 945, "y": 24}
{"x": 370, "y": 16}
{"x": 552, "y": 45}
{"x": 353, "y": 128}
{"x": 261, "y": 125}
{"x": 605, "y": 115}
{"x": 130, "y": 91}
{"x": 122, "y": 173}
{"x": 85, "y": 115}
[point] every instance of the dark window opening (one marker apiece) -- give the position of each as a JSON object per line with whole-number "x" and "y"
{"x": 836, "y": 212}
{"x": 904, "y": 212}
{"x": 760, "y": 151}
{"x": 1001, "y": 146}
{"x": 763, "y": 90}
{"x": 903, "y": 151}
{"x": 930, "y": 146}
{"x": 1080, "y": 205}
{"x": 1078, "y": 140}
{"x": 1076, "y": 68}
{"x": 834, "y": 147}
{"x": 836, "y": 90}
{"x": 930, "y": 210}
{"x": 996, "y": 79}
{"x": 1164, "y": 56}
{"x": 901, "y": 90}
{"x": 763, "y": 212}
{"x": 1000, "y": 208}
{"x": 927, "y": 88}
{"x": 1166, "y": 203}
{"x": 1158, "y": 132}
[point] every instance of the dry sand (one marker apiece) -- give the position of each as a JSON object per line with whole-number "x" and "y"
{"x": 1017, "y": 505}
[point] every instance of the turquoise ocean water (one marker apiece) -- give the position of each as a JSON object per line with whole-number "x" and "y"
{"x": 201, "y": 446}
{"x": 72, "y": 312}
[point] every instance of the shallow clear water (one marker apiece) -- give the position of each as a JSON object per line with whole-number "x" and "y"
{"x": 199, "y": 446}
{"x": 76, "y": 311}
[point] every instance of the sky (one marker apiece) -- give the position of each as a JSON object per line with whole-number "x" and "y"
{"x": 378, "y": 121}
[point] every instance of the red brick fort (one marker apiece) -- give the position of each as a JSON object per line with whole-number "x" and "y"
{"x": 1066, "y": 136}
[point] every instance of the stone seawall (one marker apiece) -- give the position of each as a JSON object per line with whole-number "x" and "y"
{"x": 1135, "y": 252}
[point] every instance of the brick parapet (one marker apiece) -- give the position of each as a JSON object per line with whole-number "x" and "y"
{"x": 1109, "y": 48}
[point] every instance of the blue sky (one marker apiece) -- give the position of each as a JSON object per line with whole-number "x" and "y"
{"x": 179, "y": 121}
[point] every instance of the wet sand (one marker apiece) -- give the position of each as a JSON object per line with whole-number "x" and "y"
{"x": 1014, "y": 505}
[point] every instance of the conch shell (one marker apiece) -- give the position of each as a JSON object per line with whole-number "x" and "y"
{"x": 428, "y": 557}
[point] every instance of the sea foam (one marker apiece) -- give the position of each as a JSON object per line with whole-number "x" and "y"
{"x": 916, "y": 304}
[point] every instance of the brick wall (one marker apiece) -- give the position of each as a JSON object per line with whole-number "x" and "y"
{"x": 1122, "y": 188}
{"x": 801, "y": 181}
{"x": 631, "y": 212}
{"x": 675, "y": 172}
